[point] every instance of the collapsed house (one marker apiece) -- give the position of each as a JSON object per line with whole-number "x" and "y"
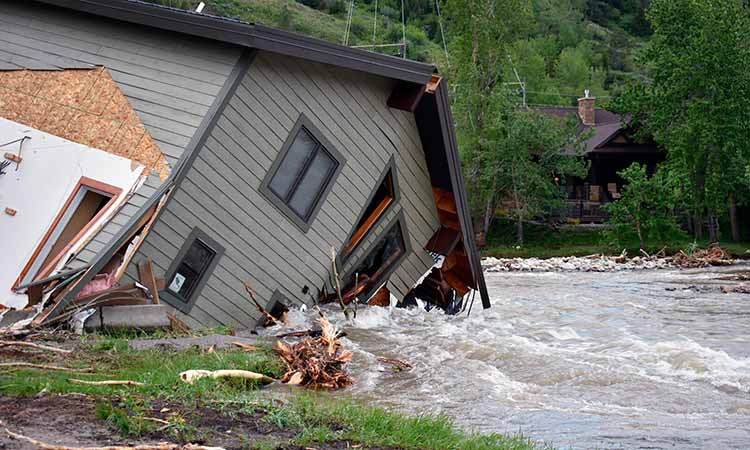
{"x": 226, "y": 154}
{"x": 610, "y": 149}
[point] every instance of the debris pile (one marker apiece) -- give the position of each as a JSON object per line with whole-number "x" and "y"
{"x": 593, "y": 263}
{"x": 318, "y": 363}
{"x": 714, "y": 255}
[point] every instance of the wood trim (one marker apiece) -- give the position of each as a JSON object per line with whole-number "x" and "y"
{"x": 362, "y": 231}
{"x": 82, "y": 182}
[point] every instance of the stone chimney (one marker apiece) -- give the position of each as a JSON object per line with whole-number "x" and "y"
{"x": 586, "y": 106}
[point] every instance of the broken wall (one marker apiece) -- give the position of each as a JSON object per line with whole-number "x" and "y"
{"x": 38, "y": 188}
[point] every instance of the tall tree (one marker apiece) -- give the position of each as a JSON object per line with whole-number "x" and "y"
{"x": 512, "y": 155}
{"x": 696, "y": 102}
{"x": 482, "y": 32}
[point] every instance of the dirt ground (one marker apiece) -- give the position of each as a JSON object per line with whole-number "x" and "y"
{"x": 71, "y": 420}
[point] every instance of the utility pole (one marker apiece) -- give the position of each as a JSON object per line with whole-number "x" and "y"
{"x": 521, "y": 84}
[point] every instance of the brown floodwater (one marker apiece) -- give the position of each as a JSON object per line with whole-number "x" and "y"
{"x": 655, "y": 359}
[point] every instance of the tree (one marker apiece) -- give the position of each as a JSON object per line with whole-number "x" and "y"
{"x": 534, "y": 155}
{"x": 646, "y": 210}
{"x": 696, "y": 104}
{"x": 482, "y": 32}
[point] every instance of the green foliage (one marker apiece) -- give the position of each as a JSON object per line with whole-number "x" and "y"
{"x": 695, "y": 104}
{"x": 158, "y": 369}
{"x": 557, "y": 29}
{"x": 646, "y": 211}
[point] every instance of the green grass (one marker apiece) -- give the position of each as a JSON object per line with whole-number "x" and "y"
{"x": 314, "y": 418}
{"x": 541, "y": 241}
{"x": 111, "y": 359}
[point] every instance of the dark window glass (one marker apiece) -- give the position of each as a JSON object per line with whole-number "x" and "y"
{"x": 303, "y": 174}
{"x": 380, "y": 259}
{"x": 190, "y": 270}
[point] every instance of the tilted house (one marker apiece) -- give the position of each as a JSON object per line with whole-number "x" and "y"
{"x": 281, "y": 147}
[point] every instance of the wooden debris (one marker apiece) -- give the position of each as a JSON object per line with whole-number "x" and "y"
{"x": 714, "y": 255}
{"x": 189, "y": 376}
{"x": 106, "y": 382}
{"x": 159, "y": 446}
{"x": 316, "y": 362}
{"x": 32, "y": 345}
{"x": 247, "y": 347}
{"x": 43, "y": 367}
{"x": 396, "y": 363}
{"x": 270, "y": 319}
{"x": 146, "y": 274}
{"x": 178, "y": 325}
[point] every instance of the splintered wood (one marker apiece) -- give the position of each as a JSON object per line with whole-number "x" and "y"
{"x": 82, "y": 105}
{"x": 714, "y": 255}
{"x": 318, "y": 363}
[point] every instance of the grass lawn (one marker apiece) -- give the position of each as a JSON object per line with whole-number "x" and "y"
{"x": 167, "y": 409}
{"x": 541, "y": 241}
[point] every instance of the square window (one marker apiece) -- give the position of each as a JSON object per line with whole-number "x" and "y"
{"x": 302, "y": 174}
{"x": 190, "y": 269}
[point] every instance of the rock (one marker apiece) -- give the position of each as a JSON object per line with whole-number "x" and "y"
{"x": 593, "y": 263}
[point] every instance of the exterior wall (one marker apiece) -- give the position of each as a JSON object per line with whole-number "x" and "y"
{"x": 170, "y": 80}
{"x": 220, "y": 193}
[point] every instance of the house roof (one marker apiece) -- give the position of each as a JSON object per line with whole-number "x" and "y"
{"x": 258, "y": 37}
{"x": 252, "y": 35}
{"x": 607, "y": 124}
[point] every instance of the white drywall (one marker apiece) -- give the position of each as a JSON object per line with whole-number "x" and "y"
{"x": 49, "y": 172}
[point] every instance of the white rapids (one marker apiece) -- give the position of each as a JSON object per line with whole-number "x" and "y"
{"x": 619, "y": 360}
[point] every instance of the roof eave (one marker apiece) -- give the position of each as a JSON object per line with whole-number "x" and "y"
{"x": 459, "y": 189}
{"x": 253, "y": 36}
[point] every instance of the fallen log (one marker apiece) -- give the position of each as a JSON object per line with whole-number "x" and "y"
{"x": 189, "y": 376}
{"x": 159, "y": 446}
{"x": 106, "y": 382}
{"x": 44, "y": 367}
{"x": 32, "y": 345}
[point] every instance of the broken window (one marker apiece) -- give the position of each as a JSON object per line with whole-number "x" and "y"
{"x": 377, "y": 265}
{"x": 383, "y": 197}
{"x": 302, "y": 174}
{"x": 190, "y": 269}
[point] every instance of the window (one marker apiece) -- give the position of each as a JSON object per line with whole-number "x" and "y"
{"x": 190, "y": 269}
{"x": 381, "y": 199}
{"x": 302, "y": 174}
{"x": 381, "y": 260}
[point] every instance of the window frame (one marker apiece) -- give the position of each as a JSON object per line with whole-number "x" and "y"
{"x": 400, "y": 220}
{"x": 177, "y": 301}
{"x": 390, "y": 167}
{"x": 304, "y": 224}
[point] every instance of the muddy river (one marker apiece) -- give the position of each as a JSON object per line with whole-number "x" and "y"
{"x": 626, "y": 360}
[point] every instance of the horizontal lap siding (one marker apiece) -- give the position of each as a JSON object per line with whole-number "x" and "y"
{"x": 170, "y": 80}
{"x": 220, "y": 193}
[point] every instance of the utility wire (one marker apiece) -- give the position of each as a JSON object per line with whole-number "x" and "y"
{"x": 442, "y": 31}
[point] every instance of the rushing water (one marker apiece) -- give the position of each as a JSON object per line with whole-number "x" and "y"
{"x": 627, "y": 360}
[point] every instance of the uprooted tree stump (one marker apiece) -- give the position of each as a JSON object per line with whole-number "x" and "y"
{"x": 318, "y": 363}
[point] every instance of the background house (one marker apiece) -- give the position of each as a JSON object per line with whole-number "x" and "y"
{"x": 610, "y": 149}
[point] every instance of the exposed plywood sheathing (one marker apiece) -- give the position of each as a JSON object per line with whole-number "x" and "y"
{"x": 83, "y": 106}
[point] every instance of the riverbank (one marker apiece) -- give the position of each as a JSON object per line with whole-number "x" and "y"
{"x": 44, "y": 404}
{"x": 542, "y": 241}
